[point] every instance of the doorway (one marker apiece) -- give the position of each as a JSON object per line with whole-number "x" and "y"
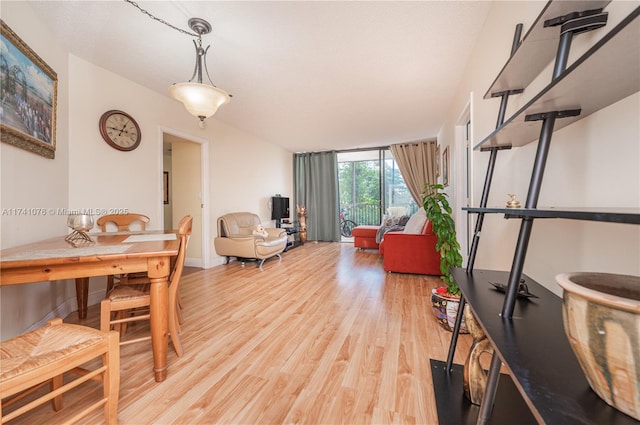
{"x": 185, "y": 190}
{"x": 464, "y": 180}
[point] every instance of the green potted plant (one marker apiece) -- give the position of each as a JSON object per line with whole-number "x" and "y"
{"x": 445, "y": 300}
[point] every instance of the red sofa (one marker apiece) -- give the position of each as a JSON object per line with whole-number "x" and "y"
{"x": 407, "y": 253}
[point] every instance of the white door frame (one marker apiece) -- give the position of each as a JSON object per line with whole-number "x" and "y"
{"x": 464, "y": 179}
{"x": 204, "y": 184}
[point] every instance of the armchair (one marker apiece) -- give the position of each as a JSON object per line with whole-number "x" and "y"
{"x": 236, "y": 238}
{"x": 410, "y": 253}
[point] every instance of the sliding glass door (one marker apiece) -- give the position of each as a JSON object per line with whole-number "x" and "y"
{"x": 369, "y": 184}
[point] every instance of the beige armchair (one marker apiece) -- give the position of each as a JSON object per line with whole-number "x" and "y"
{"x": 236, "y": 238}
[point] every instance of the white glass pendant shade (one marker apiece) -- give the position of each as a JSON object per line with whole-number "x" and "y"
{"x": 201, "y": 100}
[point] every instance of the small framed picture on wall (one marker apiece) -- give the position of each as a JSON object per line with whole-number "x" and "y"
{"x": 165, "y": 186}
{"x": 445, "y": 166}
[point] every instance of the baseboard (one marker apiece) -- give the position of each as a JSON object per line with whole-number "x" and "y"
{"x": 193, "y": 262}
{"x": 66, "y": 308}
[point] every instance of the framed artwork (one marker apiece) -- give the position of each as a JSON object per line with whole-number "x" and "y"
{"x": 28, "y": 97}
{"x": 165, "y": 186}
{"x": 437, "y": 160}
{"x": 445, "y": 166}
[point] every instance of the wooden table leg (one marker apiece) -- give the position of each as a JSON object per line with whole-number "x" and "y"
{"x": 82, "y": 294}
{"x": 158, "y": 273}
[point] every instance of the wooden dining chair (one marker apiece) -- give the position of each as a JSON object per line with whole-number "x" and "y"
{"x": 122, "y": 223}
{"x": 131, "y": 302}
{"x": 40, "y": 357}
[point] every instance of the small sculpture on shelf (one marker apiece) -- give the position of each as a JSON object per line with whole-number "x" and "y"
{"x": 523, "y": 289}
{"x": 81, "y": 224}
{"x": 302, "y": 219}
{"x": 513, "y": 202}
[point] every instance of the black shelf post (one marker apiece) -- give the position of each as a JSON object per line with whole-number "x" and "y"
{"x": 483, "y": 202}
{"x": 517, "y": 265}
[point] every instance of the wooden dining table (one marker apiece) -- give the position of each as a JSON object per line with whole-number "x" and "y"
{"x": 107, "y": 254}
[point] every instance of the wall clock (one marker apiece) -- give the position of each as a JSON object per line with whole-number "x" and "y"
{"x": 120, "y": 130}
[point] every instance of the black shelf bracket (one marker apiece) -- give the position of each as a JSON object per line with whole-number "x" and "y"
{"x": 557, "y": 114}
{"x": 573, "y": 23}
{"x": 498, "y": 148}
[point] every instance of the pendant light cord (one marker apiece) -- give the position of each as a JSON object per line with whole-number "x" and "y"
{"x": 162, "y": 21}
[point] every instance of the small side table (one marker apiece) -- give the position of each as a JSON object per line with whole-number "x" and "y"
{"x": 294, "y": 238}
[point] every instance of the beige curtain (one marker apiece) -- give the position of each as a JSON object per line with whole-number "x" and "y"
{"x": 417, "y": 162}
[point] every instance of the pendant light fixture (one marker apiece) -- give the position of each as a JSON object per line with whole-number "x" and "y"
{"x": 200, "y": 99}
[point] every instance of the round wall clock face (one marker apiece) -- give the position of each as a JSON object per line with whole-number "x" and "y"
{"x": 120, "y": 130}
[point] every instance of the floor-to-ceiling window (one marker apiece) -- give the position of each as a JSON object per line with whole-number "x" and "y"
{"x": 370, "y": 183}
{"x": 396, "y": 193}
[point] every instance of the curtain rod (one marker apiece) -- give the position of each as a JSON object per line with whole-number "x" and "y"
{"x": 363, "y": 149}
{"x": 435, "y": 140}
{"x": 416, "y": 142}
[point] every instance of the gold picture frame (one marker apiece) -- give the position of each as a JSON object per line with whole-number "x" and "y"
{"x": 438, "y": 161}
{"x": 165, "y": 186}
{"x": 28, "y": 97}
{"x": 445, "y": 167}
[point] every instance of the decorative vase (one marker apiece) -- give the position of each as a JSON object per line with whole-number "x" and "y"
{"x": 474, "y": 377}
{"x": 445, "y": 310}
{"x": 601, "y": 316}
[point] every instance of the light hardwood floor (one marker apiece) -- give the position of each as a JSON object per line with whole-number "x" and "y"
{"x": 323, "y": 336}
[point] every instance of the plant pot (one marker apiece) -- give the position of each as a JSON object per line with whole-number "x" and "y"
{"x": 601, "y": 316}
{"x": 445, "y": 310}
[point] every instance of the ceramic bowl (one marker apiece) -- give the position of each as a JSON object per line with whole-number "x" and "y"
{"x": 601, "y": 315}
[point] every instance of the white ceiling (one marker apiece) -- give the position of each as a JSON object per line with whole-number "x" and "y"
{"x": 305, "y": 75}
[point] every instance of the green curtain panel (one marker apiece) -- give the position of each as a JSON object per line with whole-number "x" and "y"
{"x": 316, "y": 187}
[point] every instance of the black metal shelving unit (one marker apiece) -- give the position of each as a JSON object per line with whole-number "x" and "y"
{"x": 527, "y": 334}
{"x": 606, "y": 73}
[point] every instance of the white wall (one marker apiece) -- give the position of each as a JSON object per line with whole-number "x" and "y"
{"x": 245, "y": 170}
{"x": 32, "y": 181}
{"x": 592, "y": 163}
{"x": 251, "y": 174}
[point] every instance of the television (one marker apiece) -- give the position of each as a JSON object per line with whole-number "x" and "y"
{"x": 279, "y": 207}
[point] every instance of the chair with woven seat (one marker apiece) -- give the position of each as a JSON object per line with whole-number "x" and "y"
{"x": 121, "y": 223}
{"x": 31, "y": 360}
{"x": 130, "y": 303}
